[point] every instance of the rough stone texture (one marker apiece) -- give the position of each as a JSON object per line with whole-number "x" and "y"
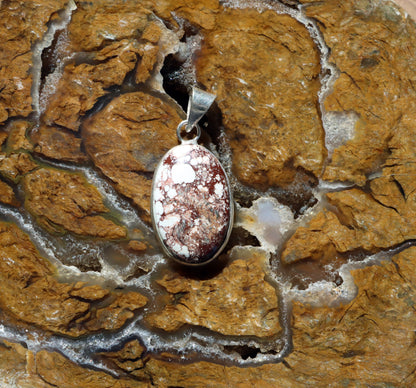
{"x": 97, "y": 24}
{"x": 7, "y": 195}
{"x": 129, "y": 359}
{"x": 113, "y": 316}
{"x": 320, "y": 240}
{"x": 63, "y": 201}
{"x": 126, "y": 40}
{"x": 332, "y": 346}
{"x": 32, "y": 294}
{"x": 56, "y": 370}
{"x": 3, "y": 136}
{"x": 371, "y": 221}
{"x": 17, "y": 138}
{"x": 149, "y": 53}
{"x": 270, "y": 116}
{"x": 127, "y": 139}
{"x": 378, "y": 218}
{"x": 137, "y": 246}
{"x": 212, "y": 303}
{"x": 13, "y": 363}
{"x": 376, "y": 81}
{"x": 58, "y": 144}
{"x": 376, "y": 226}
{"x": 15, "y": 165}
{"x": 22, "y": 25}
{"x": 199, "y": 13}
{"x": 368, "y": 342}
{"x": 22, "y": 368}
{"x": 82, "y": 85}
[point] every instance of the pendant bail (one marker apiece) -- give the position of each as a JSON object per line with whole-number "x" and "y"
{"x": 199, "y": 103}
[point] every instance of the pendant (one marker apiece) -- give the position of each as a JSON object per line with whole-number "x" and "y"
{"x": 192, "y": 206}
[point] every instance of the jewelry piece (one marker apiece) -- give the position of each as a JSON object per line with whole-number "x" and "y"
{"x": 192, "y": 206}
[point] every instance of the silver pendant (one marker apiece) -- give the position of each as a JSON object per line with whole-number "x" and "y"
{"x": 192, "y": 205}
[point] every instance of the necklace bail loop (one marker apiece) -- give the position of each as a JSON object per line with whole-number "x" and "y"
{"x": 199, "y": 103}
{"x": 183, "y": 125}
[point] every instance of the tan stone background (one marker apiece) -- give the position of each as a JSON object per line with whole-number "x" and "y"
{"x": 368, "y": 341}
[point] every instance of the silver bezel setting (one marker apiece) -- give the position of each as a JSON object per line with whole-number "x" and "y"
{"x": 156, "y": 228}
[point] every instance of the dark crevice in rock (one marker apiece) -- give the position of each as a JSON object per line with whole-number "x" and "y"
{"x": 356, "y": 255}
{"x": 245, "y": 196}
{"x": 189, "y": 30}
{"x": 172, "y": 80}
{"x": 304, "y": 272}
{"x": 102, "y": 102}
{"x": 244, "y": 351}
{"x": 49, "y": 57}
{"x": 175, "y": 82}
{"x": 400, "y": 188}
{"x": 298, "y": 195}
{"x": 48, "y": 44}
{"x": 241, "y": 237}
{"x": 211, "y": 269}
{"x": 85, "y": 58}
{"x": 286, "y": 364}
{"x": 46, "y": 381}
{"x": 352, "y": 353}
{"x": 293, "y": 4}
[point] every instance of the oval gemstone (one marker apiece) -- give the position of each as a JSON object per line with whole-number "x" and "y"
{"x": 191, "y": 204}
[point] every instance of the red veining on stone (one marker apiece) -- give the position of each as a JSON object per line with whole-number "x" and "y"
{"x": 191, "y": 203}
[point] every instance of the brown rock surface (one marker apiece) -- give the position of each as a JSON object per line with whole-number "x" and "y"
{"x": 127, "y": 139}
{"x": 17, "y": 137}
{"x": 320, "y": 240}
{"x": 64, "y": 201}
{"x": 58, "y": 144}
{"x": 120, "y": 309}
{"x": 348, "y": 339}
{"x": 199, "y": 13}
{"x": 14, "y": 359}
{"x": 213, "y": 303}
{"x": 57, "y": 371}
{"x": 371, "y": 221}
{"x": 15, "y": 165}
{"x": 381, "y": 217}
{"x": 118, "y": 37}
{"x": 376, "y": 79}
{"x": 22, "y": 24}
{"x": 3, "y": 136}
{"x": 270, "y": 116}
{"x": 137, "y": 246}
{"x": 338, "y": 346}
{"x": 7, "y": 195}
{"x": 265, "y": 68}
{"x": 376, "y": 226}
{"x": 396, "y": 186}
{"x": 149, "y": 55}
{"x": 97, "y": 24}
{"x": 50, "y": 369}
{"x": 129, "y": 358}
{"x": 31, "y": 293}
{"x": 82, "y": 85}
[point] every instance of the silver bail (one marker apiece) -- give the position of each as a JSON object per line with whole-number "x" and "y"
{"x": 198, "y": 105}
